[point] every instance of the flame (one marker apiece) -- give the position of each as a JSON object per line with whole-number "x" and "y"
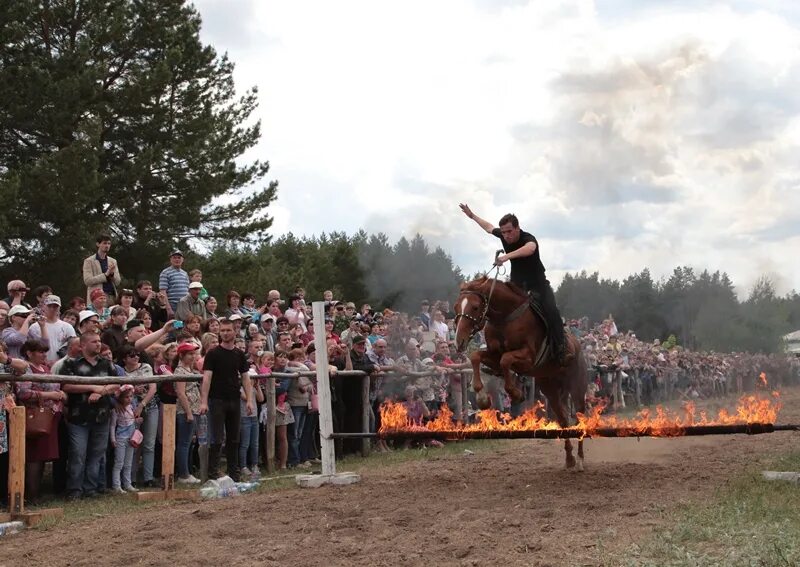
{"x": 763, "y": 378}
{"x": 660, "y": 422}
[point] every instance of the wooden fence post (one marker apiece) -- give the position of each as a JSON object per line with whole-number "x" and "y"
{"x": 269, "y": 400}
{"x": 365, "y": 411}
{"x": 168, "y": 447}
{"x": 16, "y": 460}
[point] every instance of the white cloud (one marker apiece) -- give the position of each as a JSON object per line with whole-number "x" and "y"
{"x": 648, "y": 135}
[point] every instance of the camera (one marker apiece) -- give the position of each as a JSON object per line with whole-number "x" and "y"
{"x": 177, "y": 325}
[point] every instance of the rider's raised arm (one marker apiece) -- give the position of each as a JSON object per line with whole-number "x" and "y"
{"x": 484, "y": 224}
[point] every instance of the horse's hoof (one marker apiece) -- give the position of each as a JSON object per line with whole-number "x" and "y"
{"x": 579, "y": 467}
{"x": 570, "y": 463}
{"x": 483, "y": 400}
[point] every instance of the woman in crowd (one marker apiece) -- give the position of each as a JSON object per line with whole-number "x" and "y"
{"x": 3, "y": 318}
{"x": 307, "y": 338}
{"x": 296, "y": 332}
{"x": 296, "y": 312}
{"x": 187, "y": 410}
{"x": 147, "y": 402}
{"x": 46, "y": 398}
{"x": 126, "y": 300}
{"x": 207, "y": 342}
{"x": 211, "y": 326}
{"x": 77, "y": 304}
{"x": 147, "y": 320}
{"x": 211, "y": 308}
{"x": 234, "y": 301}
{"x": 274, "y": 308}
{"x": 193, "y": 325}
{"x": 70, "y": 316}
{"x": 6, "y": 404}
{"x": 21, "y": 320}
{"x": 98, "y": 305}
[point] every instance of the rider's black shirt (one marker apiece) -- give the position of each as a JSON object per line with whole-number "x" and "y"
{"x": 527, "y": 272}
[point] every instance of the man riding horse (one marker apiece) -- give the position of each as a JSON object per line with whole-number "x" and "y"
{"x": 527, "y": 271}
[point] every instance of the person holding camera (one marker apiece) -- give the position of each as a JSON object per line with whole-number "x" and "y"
{"x": 16, "y": 294}
{"x": 21, "y": 319}
{"x": 58, "y": 331}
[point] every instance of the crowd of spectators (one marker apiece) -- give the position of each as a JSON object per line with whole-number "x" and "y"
{"x": 624, "y": 369}
{"x": 107, "y": 438}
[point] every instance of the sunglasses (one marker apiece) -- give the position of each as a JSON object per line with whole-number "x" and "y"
{"x": 133, "y": 355}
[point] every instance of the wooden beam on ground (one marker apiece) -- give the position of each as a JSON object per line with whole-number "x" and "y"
{"x": 34, "y": 518}
{"x": 786, "y": 476}
{"x": 16, "y": 460}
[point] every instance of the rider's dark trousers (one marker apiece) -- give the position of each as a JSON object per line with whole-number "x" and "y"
{"x": 544, "y": 295}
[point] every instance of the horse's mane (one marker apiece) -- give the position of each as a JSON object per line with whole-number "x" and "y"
{"x": 484, "y": 281}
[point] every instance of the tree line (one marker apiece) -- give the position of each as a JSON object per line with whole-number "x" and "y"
{"x": 701, "y": 310}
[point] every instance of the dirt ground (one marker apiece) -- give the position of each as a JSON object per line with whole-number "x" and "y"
{"x": 515, "y": 505}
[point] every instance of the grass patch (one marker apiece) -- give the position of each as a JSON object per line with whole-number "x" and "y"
{"x": 749, "y": 522}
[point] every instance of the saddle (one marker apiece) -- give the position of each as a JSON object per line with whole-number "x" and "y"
{"x": 545, "y": 351}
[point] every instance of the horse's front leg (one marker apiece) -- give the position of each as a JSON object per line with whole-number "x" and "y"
{"x": 509, "y": 361}
{"x": 477, "y": 358}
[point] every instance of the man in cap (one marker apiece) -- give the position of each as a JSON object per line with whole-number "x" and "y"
{"x": 267, "y": 325}
{"x": 88, "y": 321}
{"x": 100, "y": 270}
{"x": 16, "y": 293}
{"x": 174, "y": 280}
{"x": 191, "y": 304}
{"x": 58, "y": 331}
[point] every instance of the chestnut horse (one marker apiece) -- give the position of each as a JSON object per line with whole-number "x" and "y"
{"x": 515, "y": 338}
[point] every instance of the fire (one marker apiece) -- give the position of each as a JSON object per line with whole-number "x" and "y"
{"x": 763, "y": 378}
{"x": 660, "y": 422}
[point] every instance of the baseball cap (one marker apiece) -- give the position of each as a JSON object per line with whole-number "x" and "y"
{"x": 359, "y": 339}
{"x": 18, "y": 310}
{"x": 15, "y": 285}
{"x": 195, "y": 285}
{"x": 52, "y": 300}
{"x": 188, "y": 346}
{"x": 176, "y": 252}
{"x": 133, "y": 323}
{"x": 86, "y": 314}
{"x": 235, "y": 317}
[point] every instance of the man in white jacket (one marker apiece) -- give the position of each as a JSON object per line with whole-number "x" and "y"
{"x": 101, "y": 271}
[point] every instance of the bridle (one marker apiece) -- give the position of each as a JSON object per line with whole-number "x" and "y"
{"x": 477, "y": 324}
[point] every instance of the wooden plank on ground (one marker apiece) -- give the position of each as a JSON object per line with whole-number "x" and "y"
{"x": 33, "y": 518}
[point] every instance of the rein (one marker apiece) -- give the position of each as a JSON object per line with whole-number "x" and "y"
{"x": 478, "y": 324}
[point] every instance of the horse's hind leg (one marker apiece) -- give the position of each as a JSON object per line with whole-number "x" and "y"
{"x": 557, "y": 404}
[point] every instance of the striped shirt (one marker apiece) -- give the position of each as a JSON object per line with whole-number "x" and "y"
{"x": 176, "y": 283}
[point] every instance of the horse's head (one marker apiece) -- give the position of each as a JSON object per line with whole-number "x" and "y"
{"x": 470, "y": 310}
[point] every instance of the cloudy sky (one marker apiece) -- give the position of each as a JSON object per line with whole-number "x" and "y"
{"x": 624, "y": 134}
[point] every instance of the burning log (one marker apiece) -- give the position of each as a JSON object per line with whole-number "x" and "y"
{"x": 572, "y": 433}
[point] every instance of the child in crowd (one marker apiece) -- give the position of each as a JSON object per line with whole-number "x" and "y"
{"x": 197, "y": 276}
{"x": 248, "y": 435}
{"x": 122, "y": 425}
